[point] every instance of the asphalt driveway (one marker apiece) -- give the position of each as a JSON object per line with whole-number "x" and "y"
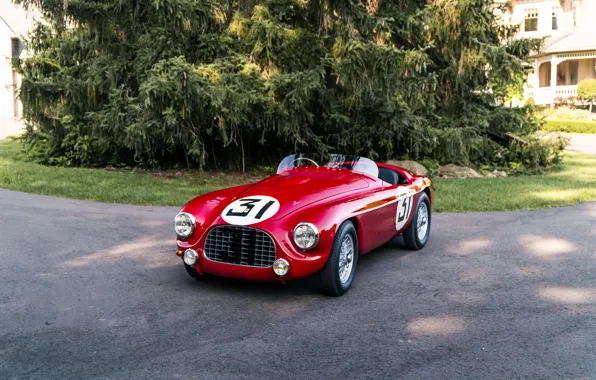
{"x": 95, "y": 291}
{"x": 582, "y": 142}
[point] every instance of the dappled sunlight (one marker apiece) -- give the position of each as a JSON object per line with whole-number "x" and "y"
{"x": 435, "y": 326}
{"x": 467, "y": 247}
{"x": 560, "y": 195}
{"x": 152, "y": 251}
{"x": 568, "y": 295}
{"x": 546, "y": 247}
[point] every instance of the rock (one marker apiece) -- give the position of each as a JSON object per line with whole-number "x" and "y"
{"x": 496, "y": 174}
{"x": 412, "y": 166}
{"x": 454, "y": 171}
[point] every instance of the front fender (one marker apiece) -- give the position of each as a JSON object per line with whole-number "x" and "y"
{"x": 206, "y": 208}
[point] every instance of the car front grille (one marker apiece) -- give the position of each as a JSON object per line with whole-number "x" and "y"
{"x": 240, "y": 245}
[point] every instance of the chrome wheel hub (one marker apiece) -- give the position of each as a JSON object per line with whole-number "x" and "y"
{"x": 346, "y": 258}
{"x": 422, "y": 222}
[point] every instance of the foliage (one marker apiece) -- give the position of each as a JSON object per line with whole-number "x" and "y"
{"x": 238, "y": 83}
{"x": 534, "y": 154}
{"x": 569, "y": 114}
{"x": 566, "y": 101}
{"x": 570, "y": 126}
{"x": 586, "y": 90}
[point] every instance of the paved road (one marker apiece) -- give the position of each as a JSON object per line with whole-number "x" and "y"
{"x": 582, "y": 143}
{"x": 94, "y": 291}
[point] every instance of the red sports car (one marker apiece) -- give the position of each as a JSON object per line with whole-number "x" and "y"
{"x": 317, "y": 214}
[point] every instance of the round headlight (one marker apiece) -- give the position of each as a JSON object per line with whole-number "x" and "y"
{"x": 190, "y": 257}
{"x": 281, "y": 267}
{"x": 184, "y": 225}
{"x": 306, "y": 235}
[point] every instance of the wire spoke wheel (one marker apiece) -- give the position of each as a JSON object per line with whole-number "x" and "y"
{"x": 346, "y": 258}
{"x": 422, "y": 222}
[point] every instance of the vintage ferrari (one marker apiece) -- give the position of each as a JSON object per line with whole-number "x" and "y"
{"x": 316, "y": 215}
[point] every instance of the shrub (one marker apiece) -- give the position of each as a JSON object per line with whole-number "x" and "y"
{"x": 534, "y": 154}
{"x": 586, "y": 90}
{"x": 565, "y": 113}
{"x": 570, "y": 126}
{"x": 568, "y": 101}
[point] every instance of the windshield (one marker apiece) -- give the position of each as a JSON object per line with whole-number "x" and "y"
{"x": 330, "y": 160}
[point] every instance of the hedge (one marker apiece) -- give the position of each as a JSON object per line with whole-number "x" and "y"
{"x": 570, "y": 126}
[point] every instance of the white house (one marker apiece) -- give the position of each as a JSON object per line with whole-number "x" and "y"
{"x": 569, "y": 55}
{"x": 14, "y": 24}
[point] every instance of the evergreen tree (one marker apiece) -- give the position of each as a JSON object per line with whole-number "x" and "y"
{"x": 236, "y": 82}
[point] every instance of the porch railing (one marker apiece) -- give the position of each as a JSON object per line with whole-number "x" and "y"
{"x": 546, "y": 95}
{"x": 566, "y": 91}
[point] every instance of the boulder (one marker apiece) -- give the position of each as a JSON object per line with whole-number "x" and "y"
{"x": 412, "y": 166}
{"x": 454, "y": 171}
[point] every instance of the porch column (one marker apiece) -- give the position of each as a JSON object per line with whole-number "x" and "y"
{"x": 553, "y": 78}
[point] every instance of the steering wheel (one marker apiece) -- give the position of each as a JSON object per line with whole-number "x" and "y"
{"x": 303, "y": 158}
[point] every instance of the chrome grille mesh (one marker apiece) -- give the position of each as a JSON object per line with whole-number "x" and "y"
{"x": 240, "y": 245}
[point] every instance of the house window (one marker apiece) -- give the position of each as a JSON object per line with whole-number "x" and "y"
{"x": 531, "y": 20}
{"x": 554, "y": 24}
{"x": 17, "y": 47}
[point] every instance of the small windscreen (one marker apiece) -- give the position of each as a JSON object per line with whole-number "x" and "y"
{"x": 329, "y": 160}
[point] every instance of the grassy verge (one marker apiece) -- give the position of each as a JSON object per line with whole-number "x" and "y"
{"x": 169, "y": 188}
{"x": 570, "y": 126}
{"x": 575, "y": 183}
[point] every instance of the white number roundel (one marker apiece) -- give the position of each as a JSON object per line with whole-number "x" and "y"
{"x": 250, "y": 210}
{"x": 404, "y": 207}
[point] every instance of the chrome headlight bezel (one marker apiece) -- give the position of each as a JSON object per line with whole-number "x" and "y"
{"x": 309, "y": 227}
{"x": 190, "y": 257}
{"x": 190, "y": 219}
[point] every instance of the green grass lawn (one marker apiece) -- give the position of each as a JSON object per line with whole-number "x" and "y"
{"x": 574, "y": 184}
{"x": 570, "y": 126}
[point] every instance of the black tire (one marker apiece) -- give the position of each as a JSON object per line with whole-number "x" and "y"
{"x": 192, "y": 272}
{"x": 330, "y": 282}
{"x": 411, "y": 238}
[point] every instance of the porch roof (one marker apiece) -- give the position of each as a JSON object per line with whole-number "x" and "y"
{"x": 577, "y": 40}
{"x": 580, "y": 39}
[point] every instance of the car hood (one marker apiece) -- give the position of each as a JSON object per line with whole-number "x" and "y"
{"x": 298, "y": 188}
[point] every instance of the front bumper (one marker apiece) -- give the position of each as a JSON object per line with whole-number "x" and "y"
{"x": 301, "y": 264}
